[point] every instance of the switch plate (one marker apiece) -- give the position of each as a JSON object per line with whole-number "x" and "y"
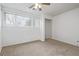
{"x": 77, "y": 43}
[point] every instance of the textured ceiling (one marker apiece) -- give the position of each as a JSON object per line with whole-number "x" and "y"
{"x": 52, "y": 10}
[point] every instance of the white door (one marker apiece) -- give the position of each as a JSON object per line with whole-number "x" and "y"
{"x": 48, "y": 28}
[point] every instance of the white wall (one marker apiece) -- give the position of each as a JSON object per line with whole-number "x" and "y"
{"x": 0, "y": 28}
{"x": 15, "y": 35}
{"x": 66, "y": 27}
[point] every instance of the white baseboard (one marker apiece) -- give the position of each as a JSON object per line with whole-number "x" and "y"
{"x": 10, "y": 44}
{"x": 66, "y": 42}
{"x": 43, "y": 40}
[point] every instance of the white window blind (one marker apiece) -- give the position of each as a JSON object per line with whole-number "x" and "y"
{"x": 15, "y": 20}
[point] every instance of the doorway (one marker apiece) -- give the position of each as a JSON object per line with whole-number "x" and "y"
{"x": 48, "y": 28}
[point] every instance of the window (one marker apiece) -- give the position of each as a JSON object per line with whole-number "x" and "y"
{"x": 10, "y": 19}
{"x": 15, "y": 20}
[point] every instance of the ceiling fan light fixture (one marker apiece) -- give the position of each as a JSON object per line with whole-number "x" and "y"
{"x": 36, "y": 5}
{"x": 39, "y": 6}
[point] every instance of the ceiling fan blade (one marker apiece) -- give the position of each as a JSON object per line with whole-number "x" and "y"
{"x": 32, "y": 6}
{"x": 45, "y": 3}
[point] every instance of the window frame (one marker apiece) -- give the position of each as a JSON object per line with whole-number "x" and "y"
{"x": 31, "y": 20}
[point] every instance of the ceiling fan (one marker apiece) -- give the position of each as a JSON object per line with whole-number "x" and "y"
{"x": 38, "y": 6}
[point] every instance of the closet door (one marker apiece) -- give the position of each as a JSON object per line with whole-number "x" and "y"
{"x": 48, "y": 28}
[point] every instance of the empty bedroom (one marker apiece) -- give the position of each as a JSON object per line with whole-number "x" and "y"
{"x": 39, "y": 29}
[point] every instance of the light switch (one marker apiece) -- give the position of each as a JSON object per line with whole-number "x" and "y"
{"x": 77, "y": 43}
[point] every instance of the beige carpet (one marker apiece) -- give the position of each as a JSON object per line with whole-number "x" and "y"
{"x": 38, "y": 48}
